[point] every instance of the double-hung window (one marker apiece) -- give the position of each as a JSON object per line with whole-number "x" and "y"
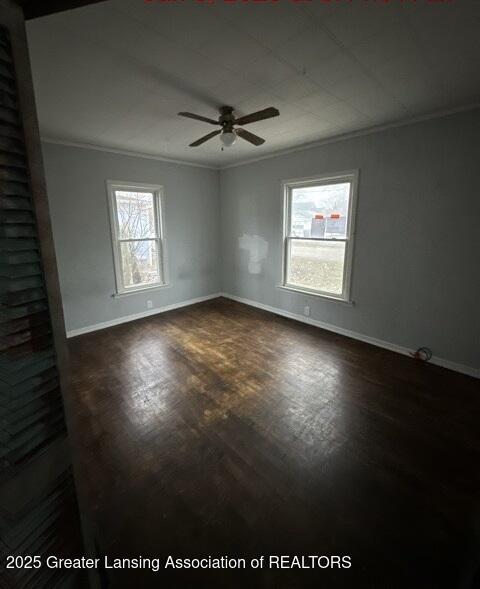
{"x": 136, "y": 218}
{"x": 318, "y": 235}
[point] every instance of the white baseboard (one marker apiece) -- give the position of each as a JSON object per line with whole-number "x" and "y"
{"x": 127, "y": 318}
{"x": 470, "y": 371}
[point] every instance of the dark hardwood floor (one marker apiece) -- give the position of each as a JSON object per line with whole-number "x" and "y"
{"x": 219, "y": 429}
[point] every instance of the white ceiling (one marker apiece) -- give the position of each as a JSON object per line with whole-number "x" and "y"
{"x": 115, "y": 74}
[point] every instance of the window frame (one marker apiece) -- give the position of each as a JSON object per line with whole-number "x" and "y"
{"x": 350, "y": 176}
{"x": 159, "y": 214}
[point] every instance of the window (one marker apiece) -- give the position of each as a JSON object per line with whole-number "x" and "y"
{"x": 136, "y": 218}
{"x": 318, "y": 235}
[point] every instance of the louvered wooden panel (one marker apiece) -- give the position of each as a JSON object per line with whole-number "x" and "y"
{"x": 35, "y": 531}
{"x": 38, "y": 506}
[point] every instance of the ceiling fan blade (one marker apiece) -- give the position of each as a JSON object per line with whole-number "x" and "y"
{"x": 205, "y": 138}
{"x": 250, "y": 137}
{"x": 266, "y": 113}
{"x": 190, "y": 115}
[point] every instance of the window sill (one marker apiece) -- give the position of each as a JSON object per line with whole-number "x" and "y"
{"x": 120, "y": 295}
{"x": 312, "y": 293}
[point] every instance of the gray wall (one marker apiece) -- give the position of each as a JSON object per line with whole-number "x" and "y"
{"x": 416, "y": 278}
{"x": 415, "y": 269}
{"x": 78, "y": 202}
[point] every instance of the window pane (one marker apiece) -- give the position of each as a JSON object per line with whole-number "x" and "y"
{"x": 317, "y": 265}
{"x": 136, "y": 214}
{"x": 139, "y": 263}
{"x": 320, "y": 211}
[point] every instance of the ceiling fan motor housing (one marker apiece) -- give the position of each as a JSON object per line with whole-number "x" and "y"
{"x": 226, "y": 118}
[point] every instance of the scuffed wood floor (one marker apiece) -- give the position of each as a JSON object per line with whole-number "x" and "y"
{"x": 218, "y": 430}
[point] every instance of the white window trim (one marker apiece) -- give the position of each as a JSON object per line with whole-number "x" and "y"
{"x": 287, "y": 186}
{"x": 159, "y": 204}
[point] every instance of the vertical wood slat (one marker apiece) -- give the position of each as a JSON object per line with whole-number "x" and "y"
{"x": 38, "y": 504}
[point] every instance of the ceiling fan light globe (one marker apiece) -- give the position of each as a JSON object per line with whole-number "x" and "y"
{"x": 228, "y": 138}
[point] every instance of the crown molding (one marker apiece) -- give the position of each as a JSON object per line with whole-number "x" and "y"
{"x": 354, "y": 134}
{"x": 334, "y": 139}
{"x": 125, "y": 152}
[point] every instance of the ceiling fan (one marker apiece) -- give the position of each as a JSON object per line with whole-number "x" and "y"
{"x": 228, "y": 134}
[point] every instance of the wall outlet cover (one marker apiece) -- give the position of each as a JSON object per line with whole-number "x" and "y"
{"x": 149, "y": 304}
{"x": 306, "y": 311}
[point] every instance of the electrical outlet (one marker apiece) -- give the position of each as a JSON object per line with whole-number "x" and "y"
{"x": 306, "y": 311}
{"x": 149, "y": 304}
